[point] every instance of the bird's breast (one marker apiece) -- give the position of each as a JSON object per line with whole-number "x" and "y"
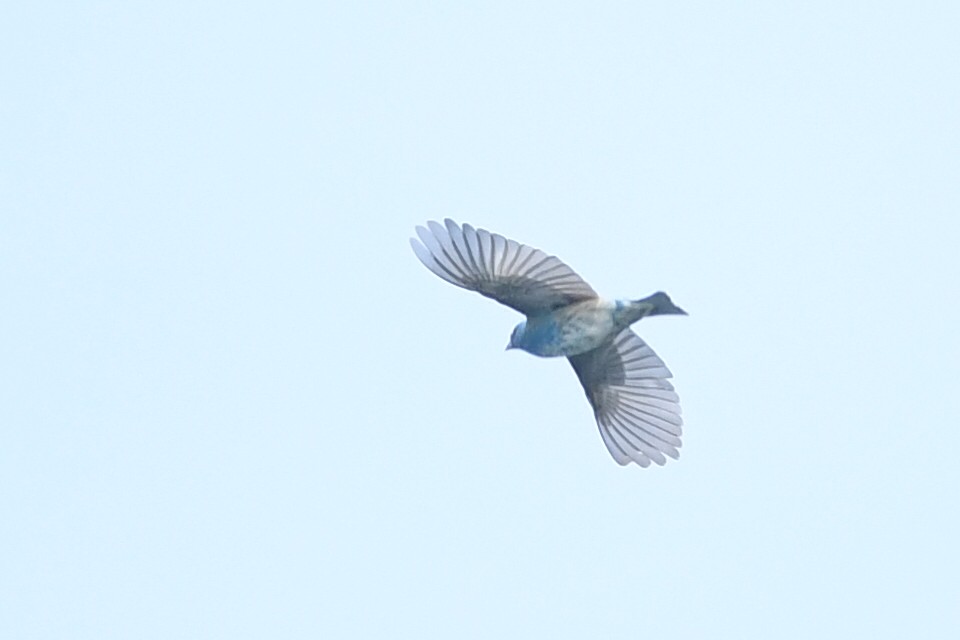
{"x": 570, "y": 330}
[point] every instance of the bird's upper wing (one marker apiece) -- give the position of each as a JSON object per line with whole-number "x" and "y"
{"x": 519, "y": 276}
{"x": 636, "y": 408}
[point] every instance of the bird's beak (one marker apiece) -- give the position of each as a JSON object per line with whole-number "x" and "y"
{"x": 509, "y": 346}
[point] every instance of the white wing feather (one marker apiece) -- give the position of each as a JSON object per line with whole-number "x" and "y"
{"x": 637, "y": 410}
{"x": 514, "y": 274}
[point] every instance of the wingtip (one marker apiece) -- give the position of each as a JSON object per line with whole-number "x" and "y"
{"x": 452, "y": 226}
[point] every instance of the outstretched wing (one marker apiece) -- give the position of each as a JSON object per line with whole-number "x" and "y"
{"x": 636, "y": 408}
{"x": 514, "y": 274}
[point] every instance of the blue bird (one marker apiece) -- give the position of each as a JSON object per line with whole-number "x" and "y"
{"x": 636, "y": 408}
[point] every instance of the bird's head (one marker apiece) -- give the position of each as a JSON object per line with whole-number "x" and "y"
{"x": 516, "y": 338}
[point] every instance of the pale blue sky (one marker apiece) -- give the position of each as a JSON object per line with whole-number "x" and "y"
{"x": 234, "y": 405}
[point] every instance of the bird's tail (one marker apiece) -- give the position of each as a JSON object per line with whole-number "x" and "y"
{"x": 656, "y": 305}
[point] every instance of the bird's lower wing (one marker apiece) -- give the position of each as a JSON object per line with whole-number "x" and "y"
{"x": 637, "y": 410}
{"x": 514, "y": 274}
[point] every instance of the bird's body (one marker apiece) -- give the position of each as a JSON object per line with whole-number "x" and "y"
{"x": 581, "y": 326}
{"x": 569, "y": 330}
{"x": 636, "y": 408}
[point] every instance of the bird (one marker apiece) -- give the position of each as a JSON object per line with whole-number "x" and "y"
{"x": 635, "y": 406}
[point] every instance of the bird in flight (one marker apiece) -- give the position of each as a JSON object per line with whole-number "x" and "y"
{"x": 636, "y": 408}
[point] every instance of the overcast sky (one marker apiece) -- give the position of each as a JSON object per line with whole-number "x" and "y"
{"x": 233, "y": 404}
